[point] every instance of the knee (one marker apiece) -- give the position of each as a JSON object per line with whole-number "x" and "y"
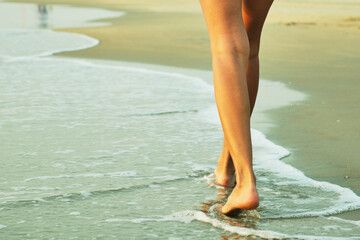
{"x": 231, "y": 48}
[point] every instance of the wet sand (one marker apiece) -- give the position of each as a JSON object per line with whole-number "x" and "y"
{"x": 312, "y": 47}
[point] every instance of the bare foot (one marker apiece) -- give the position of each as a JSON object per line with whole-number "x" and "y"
{"x": 225, "y": 170}
{"x": 243, "y": 197}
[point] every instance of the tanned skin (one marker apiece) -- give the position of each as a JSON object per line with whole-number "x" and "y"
{"x": 234, "y": 28}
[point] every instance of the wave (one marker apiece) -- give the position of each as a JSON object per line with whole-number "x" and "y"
{"x": 20, "y": 44}
{"x": 92, "y": 175}
{"x": 93, "y": 193}
{"x": 190, "y": 215}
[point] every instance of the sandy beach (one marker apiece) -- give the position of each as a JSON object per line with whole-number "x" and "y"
{"x": 312, "y": 47}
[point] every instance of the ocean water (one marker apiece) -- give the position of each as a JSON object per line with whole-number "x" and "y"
{"x": 91, "y": 150}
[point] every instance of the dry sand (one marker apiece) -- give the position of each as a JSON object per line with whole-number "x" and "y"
{"x": 312, "y": 46}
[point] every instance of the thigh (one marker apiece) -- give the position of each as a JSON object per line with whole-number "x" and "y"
{"x": 254, "y": 14}
{"x": 223, "y": 18}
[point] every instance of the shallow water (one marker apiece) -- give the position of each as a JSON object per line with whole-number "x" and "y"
{"x": 93, "y": 150}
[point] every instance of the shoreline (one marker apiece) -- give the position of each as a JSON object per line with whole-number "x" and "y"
{"x": 299, "y": 54}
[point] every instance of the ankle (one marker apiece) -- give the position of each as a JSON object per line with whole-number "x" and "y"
{"x": 246, "y": 178}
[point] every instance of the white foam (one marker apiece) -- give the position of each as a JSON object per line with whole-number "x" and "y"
{"x": 65, "y": 151}
{"x": 90, "y": 175}
{"x": 94, "y": 164}
{"x": 200, "y": 167}
{"x": 2, "y": 226}
{"x": 210, "y": 179}
{"x": 268, "y": 156}
{"x": 354, "y": 222}
{"x": 86, "y": 193}
{"x": 115, "y": 220}
{"x": 189, "y": 215}
{"x": 74, "y": 213}
{"x": 175, "y": 238}
{"x": 197, "y": 83}
{"x": 43, "y": 188}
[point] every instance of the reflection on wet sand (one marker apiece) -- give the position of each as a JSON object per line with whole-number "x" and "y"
{"x": 235, "y": 236}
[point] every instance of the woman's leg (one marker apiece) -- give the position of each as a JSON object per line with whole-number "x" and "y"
{"x": 254, "y": 15}
{"x": 230, "y": 53}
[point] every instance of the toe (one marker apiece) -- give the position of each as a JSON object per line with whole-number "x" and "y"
{"x": 230, "y": 212}
{"x": 225, "y": 209}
